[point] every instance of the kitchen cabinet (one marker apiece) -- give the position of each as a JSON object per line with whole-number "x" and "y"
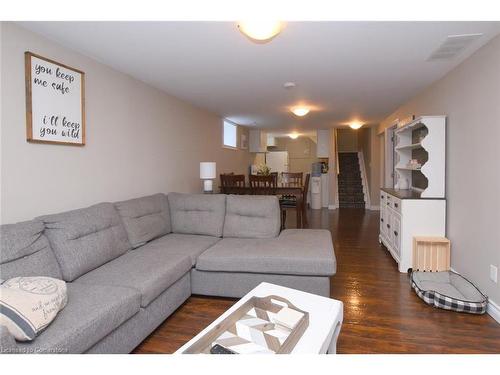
{"x": 323, "y": 143}
{"x": 257, "y": 141}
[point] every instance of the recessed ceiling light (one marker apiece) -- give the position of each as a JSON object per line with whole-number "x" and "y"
{"x": 260, "y": 30}
{"x": 300, "y": 111}
{"x": 289, "y": 85}
{"x": 294, "y": 135}
{"x": 355, "y": 125}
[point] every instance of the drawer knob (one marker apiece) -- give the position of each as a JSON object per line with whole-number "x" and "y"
{"x": 388, "y": 226}
{"x": 382, "y": 220}
{"x": 395, "y": 233}
{"x": 395, "y": 204}
{"x": 387, "y": 203}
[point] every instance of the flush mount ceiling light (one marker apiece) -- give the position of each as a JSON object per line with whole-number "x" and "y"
{"x": 355, "y": 125}
{"x": 289, "y": 85}
{"x": 294, "y": 135}
{"x": 300, "y": 111}
{"x": 260, "y": 30}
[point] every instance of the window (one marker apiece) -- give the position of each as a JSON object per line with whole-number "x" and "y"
{"x": 229, "y": 134}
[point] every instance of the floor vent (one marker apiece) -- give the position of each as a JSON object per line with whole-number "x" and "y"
{"x": 452, "y": 46}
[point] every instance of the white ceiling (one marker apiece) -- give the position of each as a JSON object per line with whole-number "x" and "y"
{"x": 346, "y": 70}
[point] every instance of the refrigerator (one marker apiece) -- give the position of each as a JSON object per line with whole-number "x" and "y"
{"x": 277, "y": 161}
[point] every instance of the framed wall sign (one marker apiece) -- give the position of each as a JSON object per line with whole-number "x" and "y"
{"x": 55, "y": 102}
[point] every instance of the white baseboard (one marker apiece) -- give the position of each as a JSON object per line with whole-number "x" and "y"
{"x": 374, "y": 208}
{"x": 493, "y": 310}
{"x": 332, "y": 207}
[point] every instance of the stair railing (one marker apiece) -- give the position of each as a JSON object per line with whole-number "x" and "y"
{"x": 364, "y": 179}
{"x": 337, "y": 167}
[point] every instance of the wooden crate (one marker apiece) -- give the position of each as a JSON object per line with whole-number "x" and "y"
{"x": 431, "y": 254}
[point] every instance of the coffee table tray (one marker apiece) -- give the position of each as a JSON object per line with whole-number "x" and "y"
{"x": 257, "y": 326}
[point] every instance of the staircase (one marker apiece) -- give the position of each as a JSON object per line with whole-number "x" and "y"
{"x": 350, "y": 185}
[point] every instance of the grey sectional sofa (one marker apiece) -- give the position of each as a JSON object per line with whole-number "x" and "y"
{"x": 130, "y": 264}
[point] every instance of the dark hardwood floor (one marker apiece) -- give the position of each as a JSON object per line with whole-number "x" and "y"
{"x": 381, "y": 312}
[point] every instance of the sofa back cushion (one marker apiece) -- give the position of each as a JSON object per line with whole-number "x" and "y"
{"x": 145, "y": 218}
{"x": 252, "y": 216}
{"x": 84, "y": 239}
{"x": 25, "y": 251}
{"x": 197, "y": 213}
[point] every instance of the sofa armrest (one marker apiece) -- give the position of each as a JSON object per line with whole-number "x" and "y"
{"x": 7, "y": 342}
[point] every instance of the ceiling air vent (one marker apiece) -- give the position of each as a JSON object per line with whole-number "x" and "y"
{"x": 453, "y": 45}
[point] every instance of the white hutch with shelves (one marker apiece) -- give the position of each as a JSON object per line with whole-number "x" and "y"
{"x": 416, "y": 205}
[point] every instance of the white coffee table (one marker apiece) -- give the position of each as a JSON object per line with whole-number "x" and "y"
{"x": 325, "y": 318}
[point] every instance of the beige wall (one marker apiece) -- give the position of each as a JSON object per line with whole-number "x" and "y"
{"x": 347, "y": 140}
{"x": 139, "y": 139}
{"x": 301, "y": 153}
{"x": 470, "y": 98}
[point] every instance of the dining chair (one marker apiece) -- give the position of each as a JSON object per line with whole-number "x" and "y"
{"x": 231, "y": 182}
{"x": 275, "y": 176}
{"x": 292, "y": 178}
{"x": 304, "y": 198}
{"x": 290, "y": 201}
{"x": 262, "y": 185}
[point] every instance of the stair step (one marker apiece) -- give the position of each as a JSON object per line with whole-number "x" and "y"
{"x": 350, "y": 185}
{"x": 350, "y": 194}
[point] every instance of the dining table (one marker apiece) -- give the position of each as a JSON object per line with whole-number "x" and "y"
{"x": 280, "y": 189}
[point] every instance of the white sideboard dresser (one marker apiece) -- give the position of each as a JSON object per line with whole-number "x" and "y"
{"x": 417, "y": 205}
{"x": 404, "y": 215}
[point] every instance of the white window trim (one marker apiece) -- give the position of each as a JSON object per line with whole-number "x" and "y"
{"x": 228, "y": 146}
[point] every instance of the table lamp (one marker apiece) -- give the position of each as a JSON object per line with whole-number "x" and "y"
{"x": 207, "y": 174}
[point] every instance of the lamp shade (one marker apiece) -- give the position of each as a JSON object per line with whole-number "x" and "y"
{"x": 207, "y": 170}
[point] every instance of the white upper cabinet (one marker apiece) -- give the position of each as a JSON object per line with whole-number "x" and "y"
{"x": 257, "y": 141}
{"x": 421, "y": 156}
{"x": 271, "y": 140}
{"x": 323, "y": 143}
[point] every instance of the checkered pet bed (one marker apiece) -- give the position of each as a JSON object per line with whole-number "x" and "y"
{"x": 449, "y": 291}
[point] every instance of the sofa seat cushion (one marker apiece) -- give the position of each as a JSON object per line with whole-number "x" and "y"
{"x": 294, "y": 252}
{"x": 197, "y": 213}
{"x": 149, "y": 270}
{"x": 145, "y": 218}
{"x": 92, "y": 312}
{"x": 25, "y": 251}
{"x": 191, "y": 245}
{"x": 86, "y": 238}
{"x": 252, "y": 216}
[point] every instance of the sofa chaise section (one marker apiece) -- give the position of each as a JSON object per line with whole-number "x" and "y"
{"x": 301, "y": 260}
{"x": 253, "y": 251}
{"x": 307, "y": 252}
